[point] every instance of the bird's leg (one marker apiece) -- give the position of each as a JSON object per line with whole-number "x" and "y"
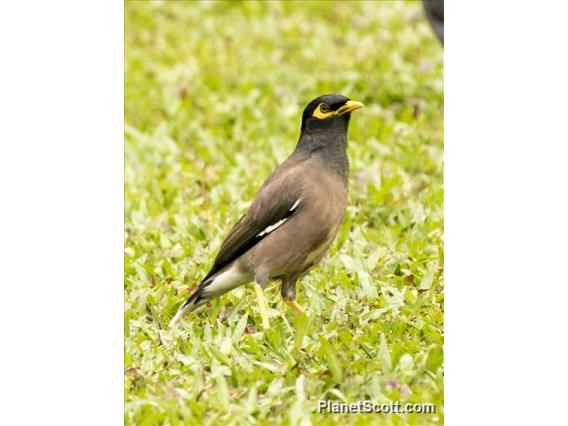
{"x": 262, "y": 305}
{"x": 299, "y": 310}
{"x": 288, "y": 291}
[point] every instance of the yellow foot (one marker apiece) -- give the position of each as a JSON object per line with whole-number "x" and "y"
{"x": 299, "y": 310}
{"x": 262, "y": 306}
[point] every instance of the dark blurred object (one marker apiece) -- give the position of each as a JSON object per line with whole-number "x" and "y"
{"x": 435, "y": 13}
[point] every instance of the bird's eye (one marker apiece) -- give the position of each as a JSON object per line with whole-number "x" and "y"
{"x": 324, "y": 108}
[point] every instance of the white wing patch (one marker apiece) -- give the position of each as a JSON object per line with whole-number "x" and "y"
{"x": 278, "y": 224}
{"x": 271, "y": 228}
{"x": 296, "y": 204}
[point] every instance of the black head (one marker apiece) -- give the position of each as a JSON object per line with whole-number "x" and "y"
{"x": 328, "y": 112}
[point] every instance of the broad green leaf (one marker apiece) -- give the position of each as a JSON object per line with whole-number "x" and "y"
{"x": 301, "y": 323}
{"x": 240, "y": 328}
{"x": 332, "y": 360}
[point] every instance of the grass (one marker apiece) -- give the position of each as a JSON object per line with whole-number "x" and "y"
{"x": 213, "y": 99}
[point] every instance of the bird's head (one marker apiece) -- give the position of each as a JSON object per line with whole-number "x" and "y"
{"x": 328, "y": 112}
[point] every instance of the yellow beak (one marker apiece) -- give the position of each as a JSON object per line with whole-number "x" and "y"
{"x": 348, "y": 107}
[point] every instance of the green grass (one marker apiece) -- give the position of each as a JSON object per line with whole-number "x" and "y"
{"x": 213, "y": 99}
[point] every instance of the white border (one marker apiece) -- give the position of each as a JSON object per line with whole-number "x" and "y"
{"x": 506, "y": 212}
{"x": 61, "y": 214}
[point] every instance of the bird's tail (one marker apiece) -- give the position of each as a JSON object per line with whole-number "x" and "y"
{"x": 184, "y": 309}
{"x": 195, "y": 300}
{"x": 213, "y": 285}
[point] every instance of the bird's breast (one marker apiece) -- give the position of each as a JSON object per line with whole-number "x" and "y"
{"x": 303, "y": 239}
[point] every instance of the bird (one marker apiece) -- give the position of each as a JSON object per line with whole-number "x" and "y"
{"x": 294, "y": 217}
{"x": 434, "y": 10}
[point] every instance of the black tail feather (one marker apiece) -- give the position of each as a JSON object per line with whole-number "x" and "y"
{"x": 195, "y": 300}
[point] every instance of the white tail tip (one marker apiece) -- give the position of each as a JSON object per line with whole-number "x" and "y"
{"x": 177, "y": 316}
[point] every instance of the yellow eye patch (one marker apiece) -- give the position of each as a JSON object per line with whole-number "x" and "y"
{"x": 346, "y": 107}
{"x": 322, "y": 115}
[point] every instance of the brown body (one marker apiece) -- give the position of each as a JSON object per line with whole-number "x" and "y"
{"x": 295, "y": 215}
{"x": 296, "y": 246}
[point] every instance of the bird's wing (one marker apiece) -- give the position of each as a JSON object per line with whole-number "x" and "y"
{"x": 276, "y": 201}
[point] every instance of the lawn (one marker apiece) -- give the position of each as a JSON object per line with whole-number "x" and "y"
{"x": 213, "y": 99}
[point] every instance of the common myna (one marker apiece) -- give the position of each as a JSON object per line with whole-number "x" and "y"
{"x": 434, "y": 10}
{"x": 294, "y": 217}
